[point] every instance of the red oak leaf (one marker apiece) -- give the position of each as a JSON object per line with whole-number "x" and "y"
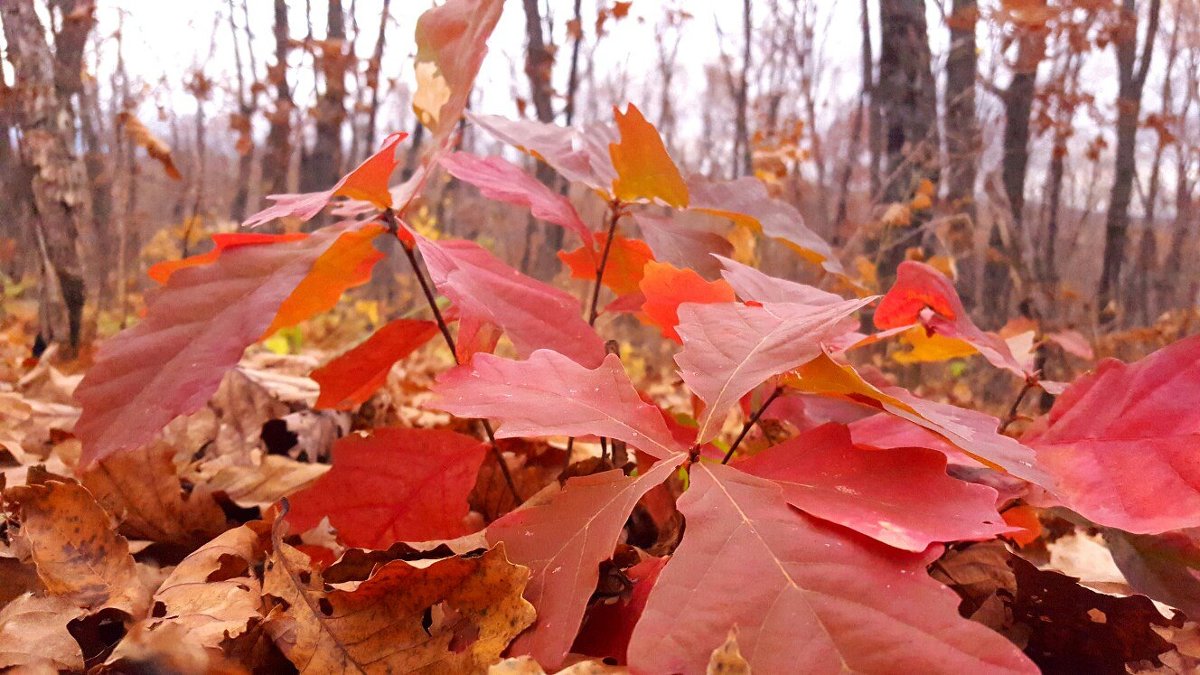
{"x": 800, "y": 592}
{"x": 1126, "y": 421}
{"x": 753, "y": 284}
{"x": 548, "y": 394}
{"x": 579, "y": 155}
{"x": 923, "y": 295}
{"x": 222, "y": 242}
{"x": 746, "y": 201}
{"x": 499, "y": 180}
{"x": 729, "y": 349}
{"x": 973, "y": 432}
{"x": 393, "y": 485}
{"x": 684, "y": 242}
{"x": 562, "y": 542}
{"x": 488, "y": 293}
{"x": 665, "y": 287}
{"x": 195, "y": 330}
{"x": 451, "y": 43}
{"x": 900, "y": 497}
{"x": 627, "y": 258}
{"x": 351, "y": 378}
{"x": 368, "y": 182}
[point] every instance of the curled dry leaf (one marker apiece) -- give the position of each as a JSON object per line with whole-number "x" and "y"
{"x": 727, "y": 659}
{"x": 33, "y": 632}
{"x": 142, "y": 490}
{"x": 456, "y": 615}
{"x": 263, "y": 484}
{"x": 213, "y": 594}
{"x": 77, "y": 552}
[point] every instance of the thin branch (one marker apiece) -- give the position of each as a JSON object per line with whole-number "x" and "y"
{"x": 1009, "y": 418}
{"x": 615, "y": 215}
{"x": 750, "y": 423}
{"x": 390, "y": 218}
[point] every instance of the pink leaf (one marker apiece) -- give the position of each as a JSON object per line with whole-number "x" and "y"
{"x": 675, "y": 240}
{"x": 900, "y": 497}
{"x": 548, "y": 394}
{"x": 501, "y": 181}
{"x": 579, "y": 155}
{"x": 563, "y": 543}
{"x": 801, "y": 594}
{"x": 1122, "y": 441}
{"x": 729, "y": 349}
{"x": 195, "y": 330}
{"x": 393, "y": 485}
{"x": 486, "y": 292}
{"x": 753, "y": 284}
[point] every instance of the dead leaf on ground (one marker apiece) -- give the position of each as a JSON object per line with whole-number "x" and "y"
{"x": 456, "y": 615}
{"x": 142, "y": 490}
{"x": 33, "y": 631}
{"x": 77, "y": 552}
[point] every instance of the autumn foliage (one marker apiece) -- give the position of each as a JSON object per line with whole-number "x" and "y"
{"x": 783, "y": 507}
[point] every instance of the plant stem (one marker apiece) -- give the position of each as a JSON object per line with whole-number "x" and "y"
{"x": 1012, "y": 411}
{"x": 750, "y": 423}
{"x": 441, "y": 322}
{"x": 614, "y": 216}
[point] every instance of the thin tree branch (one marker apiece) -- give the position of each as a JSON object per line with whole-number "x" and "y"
{"x": 750, "y": 423}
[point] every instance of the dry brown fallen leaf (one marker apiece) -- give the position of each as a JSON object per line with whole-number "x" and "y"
{"x": 74, "y": 547}
{"x": 262, "y": 484}
{"x": 166, "y": 649}
{"x": 33, "y": 630}
{"x": 455, "y": 616}
{"x": 213, "y": 594}
{"x": 142, "y": 490}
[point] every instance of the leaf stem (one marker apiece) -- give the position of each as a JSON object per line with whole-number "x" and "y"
{"x": 426, "y": 288}
{"x": 750, "y": 423}
{"x": 615, "y": 207}
{"x": 1030, "y": 383}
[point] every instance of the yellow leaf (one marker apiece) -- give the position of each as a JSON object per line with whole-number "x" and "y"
{"x": 644, "y": 169}
{"x": 926, "y": 348}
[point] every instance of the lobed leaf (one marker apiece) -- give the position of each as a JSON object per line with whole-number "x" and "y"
{"x": 353, "y": 377}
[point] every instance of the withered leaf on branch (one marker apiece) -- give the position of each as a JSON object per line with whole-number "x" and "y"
{"x": 456, "y": 615}
{"x": 77, "y": 552}
{"x": 155, "y": 147}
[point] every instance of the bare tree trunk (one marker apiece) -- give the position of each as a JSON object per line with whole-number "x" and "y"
{"x": 908, "y": 105}
{"x": 867, "y": 64}
{"x": 247, "y": 102}
{"x": 373, "y": 69}
{"x": 324, "y": 165}
{"x": 1058, "y": 163}
{"x": 59, "y": 178}
{"x": 1131, "y": 73}
{"x": 1018, "y": 105}
{"x": 539, "y": 64}
{"x": 573, "y": 73}
{"x": 279, "y": 148}
{"x": 962, "y": 145}
{"x": 742, "y": 164}
{"x": 1167, "y": 279}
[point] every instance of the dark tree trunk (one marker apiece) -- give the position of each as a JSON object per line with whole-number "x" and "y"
{"x": 962, "y": 145}
{"x": 908, "y": 106}
{"x": 373, "y": 69}
{"x": 867, "y": 64}
{"x": 59, "y": 179}
{"x": 539, "y": 64}
{"x": 1131, "y": 73}
{"x": 323, "y": 167}
{"x": 278, "y": 153}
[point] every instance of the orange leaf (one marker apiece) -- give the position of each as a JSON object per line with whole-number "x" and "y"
{"x": 1024, "y": 516}
{"x": 666, "y": 287}
{"x": 623, "y": 269}
{"x": 644, "y": 169}
{"x": 369, "y": 181}
{"x": 162, "y": 271}
{"x": 351, "y": 378}
{"x": 346, "y": 264}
